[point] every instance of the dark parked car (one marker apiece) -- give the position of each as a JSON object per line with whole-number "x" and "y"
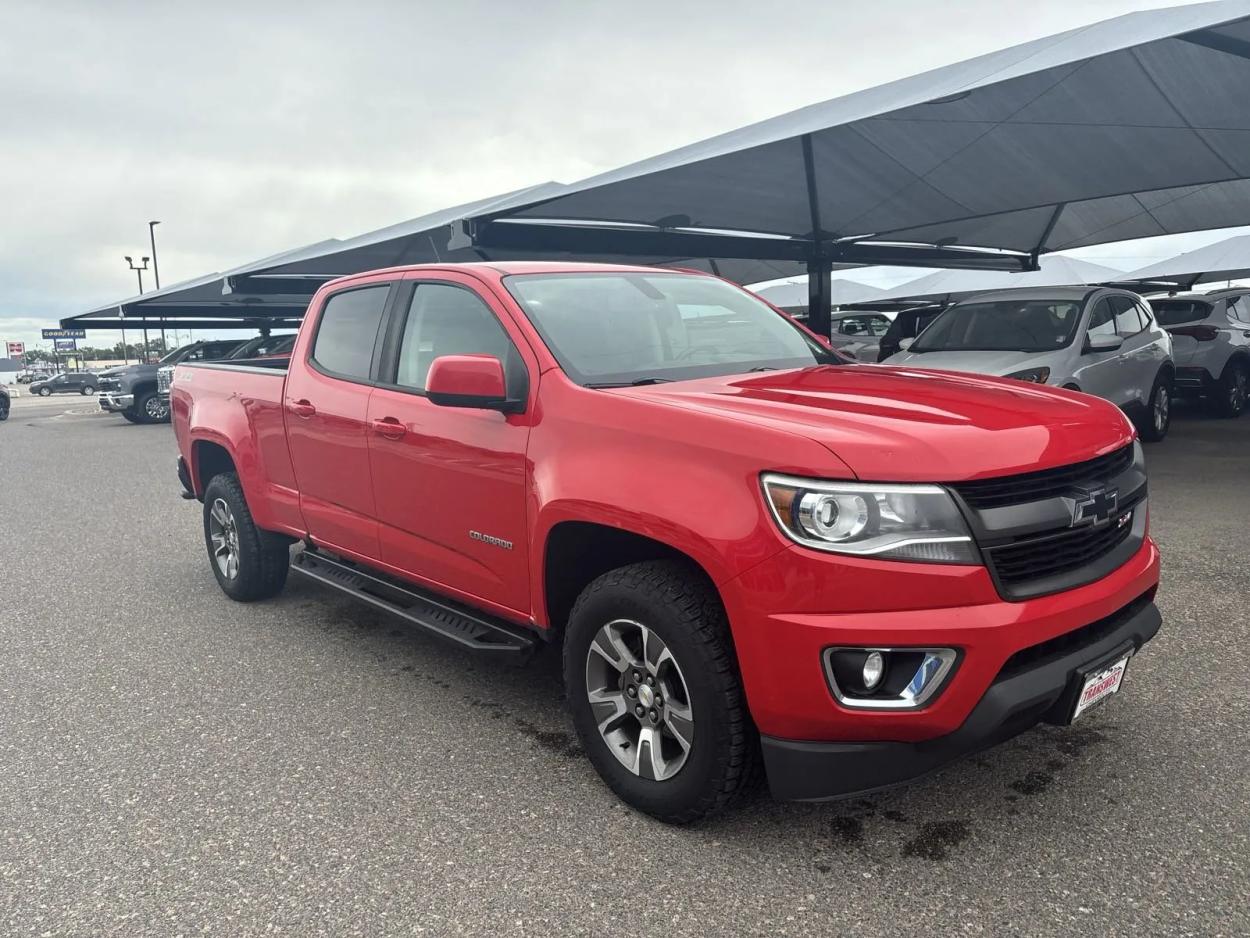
{"x": 4, "y": 404}
{"x": 81, "y": 382}
{"x": 906, "y": 326}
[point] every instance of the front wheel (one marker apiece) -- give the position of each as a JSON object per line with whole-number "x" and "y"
{"x": 151, "y": 409}
{"x": 1232, "y": 390}
{"x": 1158, "y": 418}
{"x": 45, "y": 392}
{"x": 654, "y": 688}
{"x": 249, "y": 563}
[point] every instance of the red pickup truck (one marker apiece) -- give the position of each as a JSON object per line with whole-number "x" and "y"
{"x": 753, "y": 555}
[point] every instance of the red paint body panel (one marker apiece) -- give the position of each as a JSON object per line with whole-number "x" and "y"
{"x": 385, "y": 475}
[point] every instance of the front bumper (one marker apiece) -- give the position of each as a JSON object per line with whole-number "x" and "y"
{"x": 1036, "y": 685}
{"x": 114, "y": 402}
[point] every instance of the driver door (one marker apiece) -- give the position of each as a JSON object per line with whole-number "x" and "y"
{"x": 1100, "y": 373}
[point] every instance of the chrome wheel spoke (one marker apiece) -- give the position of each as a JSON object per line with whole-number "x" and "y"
{"x": 639, "y": 699}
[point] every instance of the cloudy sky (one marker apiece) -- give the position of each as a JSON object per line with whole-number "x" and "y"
{"x": 250, "y": 128}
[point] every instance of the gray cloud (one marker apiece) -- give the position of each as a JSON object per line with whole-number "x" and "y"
{"x": 252, "y": 128}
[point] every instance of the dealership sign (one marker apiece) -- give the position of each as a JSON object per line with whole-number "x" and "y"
{"x": 65, "y": 345}
{"x": 64, "y": 333}
{"x": 17, "y": 349}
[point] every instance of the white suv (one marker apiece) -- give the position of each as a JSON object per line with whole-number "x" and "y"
{"x": 1211, "y": 344}
{"x": 1101, "y": 341}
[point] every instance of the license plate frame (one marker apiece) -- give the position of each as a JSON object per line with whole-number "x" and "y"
{"x": 1098, "y": 684}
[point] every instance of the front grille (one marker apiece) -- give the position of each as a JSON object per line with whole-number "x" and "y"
{"x": 1047, "y": 483}
{"x": 110, "y": 384}
{"x": 1036, "y": 558}
{"x": 164, "y": 378}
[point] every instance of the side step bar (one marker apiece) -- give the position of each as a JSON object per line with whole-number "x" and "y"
{"x": 474, "y": 630}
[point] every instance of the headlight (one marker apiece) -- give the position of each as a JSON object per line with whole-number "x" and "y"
{"x": 1036, "y": 375}
{"x": 896, "y": 522}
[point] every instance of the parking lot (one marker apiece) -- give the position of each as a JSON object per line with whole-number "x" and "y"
{"x": 174, "y": 763}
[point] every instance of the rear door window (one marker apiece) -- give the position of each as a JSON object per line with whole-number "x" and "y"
{"x": 348, "y": 332}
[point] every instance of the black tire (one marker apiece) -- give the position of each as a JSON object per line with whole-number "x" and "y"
{"x": 4, "y": 410}
{"x": 132, "y": 417}
{"x": 45, "y": 392}
{"x": 263, "y": 559}
{"x": 1228, "y": 399}
{"x": 723, "y": 761}
{"x": 87, "y": 390}
{"x": 1155, "y": 422}
{"x": 149, "y": 409}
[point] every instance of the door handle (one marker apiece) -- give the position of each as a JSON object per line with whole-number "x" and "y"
{"x": 301, "y": 408}
{"x": 389, "y": 427}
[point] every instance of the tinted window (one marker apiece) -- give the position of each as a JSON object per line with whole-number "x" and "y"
{"x": 446, "y": 320}
{"x": 1127, "y": 318}
{"x": 1239, "y": 309}
{"x": 1024, "y": 325}
{"x": 348, "y": 330}
{"x": 863, "y": 325}
{"x": 1176, "y": 312}
{"x": 1102, "y": 319}
{"x": 621, "y": 328}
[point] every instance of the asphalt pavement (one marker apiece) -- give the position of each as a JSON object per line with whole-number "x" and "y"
{"x": 172, "y": 763}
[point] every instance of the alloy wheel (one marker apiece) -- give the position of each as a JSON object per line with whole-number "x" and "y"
{"x": 155, "y": 409}
{"x": 640, "y": 700}
{"x": 224, "y": 535}
{"x": 1162, "y": 409}
{"x": 1238, "y": 392}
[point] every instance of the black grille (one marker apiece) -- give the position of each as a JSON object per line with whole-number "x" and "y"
{"x": 1049, "y": 555}
{"x": 1047, "y": 483}
{"x": 110, "y": 384}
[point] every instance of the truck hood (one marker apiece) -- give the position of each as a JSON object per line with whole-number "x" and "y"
{"x": 129, "y": 370}
{"x": 982, "y": 363}
{"x": 908, "y": 425}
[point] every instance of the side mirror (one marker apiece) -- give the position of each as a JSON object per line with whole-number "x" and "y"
{"x": 905, "y": 344}
{"x": 468, "y": 381}
{"x": 1102, "y": 343}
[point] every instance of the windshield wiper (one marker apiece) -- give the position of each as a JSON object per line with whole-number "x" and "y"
{"x": 636, "y": 383}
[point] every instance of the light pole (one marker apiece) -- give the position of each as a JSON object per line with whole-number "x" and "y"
{"x": 156, "y": 275}
{"x": 139, "y": 270}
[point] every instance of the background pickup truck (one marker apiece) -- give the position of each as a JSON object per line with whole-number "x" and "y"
{"x": 132, "y": 390}
{"x": 751, "y": 555}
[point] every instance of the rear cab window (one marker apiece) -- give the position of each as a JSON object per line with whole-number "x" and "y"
{"x": 347, "y": 332}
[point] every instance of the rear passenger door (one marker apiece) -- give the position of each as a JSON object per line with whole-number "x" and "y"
{"x": 450, "y": 482}
{"x": 327, "y": 403}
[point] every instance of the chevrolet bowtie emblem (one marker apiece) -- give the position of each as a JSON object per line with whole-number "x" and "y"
{"x": 1094, "y": 506}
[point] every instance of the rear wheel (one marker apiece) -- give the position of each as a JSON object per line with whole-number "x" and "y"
{"x": 656, "y": 698}
{"x": 1228, "y": 399}
{"x": 4, "y": 409}
{"x": 249, "y": 563}
{"x": 87, "y": 390}
{"x": 132, "y": 417}
{"x": 151, "y": 409}
{"x": 1158, "y": 417}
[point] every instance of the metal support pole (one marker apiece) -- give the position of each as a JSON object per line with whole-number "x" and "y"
{"x": 820, "y": 296}
{"x": 156, "y": 275}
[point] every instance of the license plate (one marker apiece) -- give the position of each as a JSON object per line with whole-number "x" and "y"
{"x": 1099, "y": 686}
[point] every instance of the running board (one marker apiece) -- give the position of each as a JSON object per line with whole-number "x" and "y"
{"x": 477, "y": 631}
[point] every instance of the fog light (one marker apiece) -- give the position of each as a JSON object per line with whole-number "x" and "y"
{"x": 874, "y": 670}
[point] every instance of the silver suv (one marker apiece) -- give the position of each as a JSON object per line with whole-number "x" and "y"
{"x": 1101, "y": 341}
{"x": 1211, "y": 344}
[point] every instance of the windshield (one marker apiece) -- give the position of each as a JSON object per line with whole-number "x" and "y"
{"x": 173, "y": 356}
{"x": 1002, "y": 326}
{"x": 1175, "y": 312}
{"x": 625, "y": 328}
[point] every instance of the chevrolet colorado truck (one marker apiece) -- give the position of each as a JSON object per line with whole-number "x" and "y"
{"x": 753, "y": 556}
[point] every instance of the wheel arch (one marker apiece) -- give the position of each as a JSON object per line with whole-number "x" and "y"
{"x": 208, "y": 459}
{"x": 576, "y": 552}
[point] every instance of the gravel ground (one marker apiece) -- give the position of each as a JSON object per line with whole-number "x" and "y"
{"x": 172, "y": 763}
